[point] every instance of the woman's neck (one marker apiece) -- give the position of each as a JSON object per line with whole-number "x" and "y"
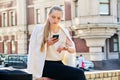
{"x": 54, "y": 29}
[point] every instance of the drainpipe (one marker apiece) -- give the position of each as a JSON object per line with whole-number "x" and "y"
{"x": 27, "y": 31}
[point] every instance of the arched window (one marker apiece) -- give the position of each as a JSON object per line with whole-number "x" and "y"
{"x": 114, "y": 43}
{"x": 76, "y": 8}
{"x": 5, "y": 47}
{"x": 47, "y": 9}
{"x": 4, "y": 19}
{"x": 13, "y": 46}
{"x": 38, "y": 16}
{"x": 12, "y": 18}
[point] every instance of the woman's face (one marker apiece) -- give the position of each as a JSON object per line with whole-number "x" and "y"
{"x": 55, "y": 17}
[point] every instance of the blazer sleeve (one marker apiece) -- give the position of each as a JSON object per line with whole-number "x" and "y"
{"x": 31, "y": 57}
{"x": 69, "y": 59}
{"x": 34, "y": 49}
{"x": 69, "y": 36}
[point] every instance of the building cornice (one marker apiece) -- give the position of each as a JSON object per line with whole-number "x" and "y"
{"x": 4, "y": 1}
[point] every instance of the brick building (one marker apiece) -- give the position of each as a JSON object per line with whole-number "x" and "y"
{"x": 93, "y": 24}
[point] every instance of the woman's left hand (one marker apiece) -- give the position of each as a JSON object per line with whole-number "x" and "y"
{"x": 60, "y": 48}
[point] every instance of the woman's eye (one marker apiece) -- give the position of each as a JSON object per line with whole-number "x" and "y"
{"x": 53, "y": 17}
{"x": 59, "y": 18}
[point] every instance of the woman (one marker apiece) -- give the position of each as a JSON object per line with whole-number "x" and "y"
{"x": 81, "y": 62}
{"x": 47, "y": 52}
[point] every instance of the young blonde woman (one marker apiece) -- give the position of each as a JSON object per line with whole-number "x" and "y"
{"x": 46, "y": 51}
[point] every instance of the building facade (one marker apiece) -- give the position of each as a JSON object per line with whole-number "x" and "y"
{"x": 93, "y": 24}
{"x": 97, "y": 22}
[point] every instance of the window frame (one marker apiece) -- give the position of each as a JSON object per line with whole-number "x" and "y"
{"x": 76, "y": 8}
{"x": 5, "y": 47}
{"x": 12, "y": 18}
{"x": 108, "y": 3}
{"x": 47, "y": 9}
{"x": 38, "y": 17}
{"x": 63, "y": 8}
{"x": 4, "y": 19}
{"x": 113, "y": 43}
{"x": 13, "y": 46}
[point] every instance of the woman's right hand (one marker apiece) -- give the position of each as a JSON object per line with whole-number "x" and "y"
{"x": 51, "y": 41}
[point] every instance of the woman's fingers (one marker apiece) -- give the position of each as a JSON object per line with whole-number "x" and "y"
{"x": 52, "y": 41}
{"x": 55, "y": 40}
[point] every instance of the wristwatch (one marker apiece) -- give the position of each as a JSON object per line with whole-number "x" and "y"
{"x": 66, "y": 47}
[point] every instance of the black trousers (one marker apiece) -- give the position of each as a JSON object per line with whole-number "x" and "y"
{"x": 58, "y": 71}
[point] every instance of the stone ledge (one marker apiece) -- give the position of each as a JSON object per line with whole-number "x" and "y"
{"x": 103, "y": 75}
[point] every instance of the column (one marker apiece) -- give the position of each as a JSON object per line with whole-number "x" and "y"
{"x": 21, "y": 12}
{"x": 22, "y": 26}
{"x": 95, "y": 48}
{"x": 22, "y": 43}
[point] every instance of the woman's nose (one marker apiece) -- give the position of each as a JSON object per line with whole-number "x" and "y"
{"x": 55, "y": 21}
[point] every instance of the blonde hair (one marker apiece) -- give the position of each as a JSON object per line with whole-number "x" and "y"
{"x": 47, "y": 27}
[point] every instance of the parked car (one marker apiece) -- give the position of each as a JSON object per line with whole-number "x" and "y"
{"x": 16, "y": 61}
{"x": 2, "y": 57}
{"x": 88, "y": 65}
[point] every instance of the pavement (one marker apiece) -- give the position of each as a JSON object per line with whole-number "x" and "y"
{"x": 1, "y": 66}
{"x": 11, "y": 68}
{"x": 113, "y": 64}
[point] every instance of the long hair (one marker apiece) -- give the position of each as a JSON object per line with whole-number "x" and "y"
{"x": 47, "y": 27}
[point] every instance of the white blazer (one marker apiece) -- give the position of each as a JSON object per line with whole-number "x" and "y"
{"x": 36, "y": 58}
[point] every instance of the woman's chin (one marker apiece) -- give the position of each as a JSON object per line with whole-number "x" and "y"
{"x": 54, "y": 24}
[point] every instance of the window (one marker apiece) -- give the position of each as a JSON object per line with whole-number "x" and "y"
{"x": 4, "y": 19}
{"x": 13, "y": 46}
{"x": 12, "y": 18}
{"x": 5, "y": 47}
{"x": 118, "y": 19}
{"x": 38, "y": 16}
{"x": 47, "y": 9}
{"x": 104, "y": 8}
{"x": 63, "y": 17}
{"x": 114, "y": 43}
{"x": 76, "y": 8}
